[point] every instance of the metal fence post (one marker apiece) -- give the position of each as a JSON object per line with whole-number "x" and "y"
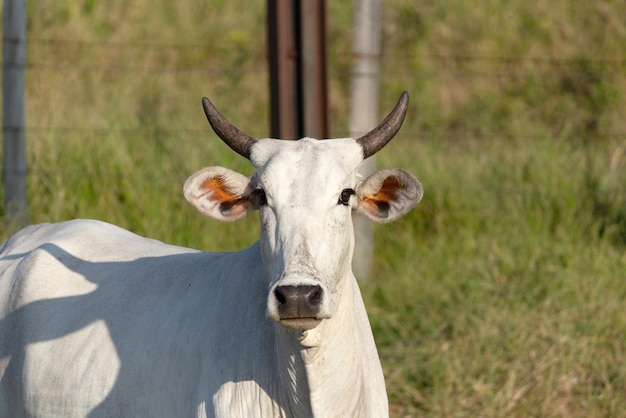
{"x": 364, "y": 113}
{"x": 13, "y": 125}
{"x": 297, "y": 61}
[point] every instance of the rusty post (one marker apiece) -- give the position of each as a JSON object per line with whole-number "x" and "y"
{"x": 313, "y": 68}
{"x": 297, "y": 63}
{"x": 283, "y": 65}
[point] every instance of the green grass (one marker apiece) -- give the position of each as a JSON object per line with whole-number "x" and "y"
{"x": 501, "y": 296}
{"x": 502, "y": 293}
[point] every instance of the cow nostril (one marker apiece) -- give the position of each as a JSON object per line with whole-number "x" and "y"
{"x": 314, "y": 296}
{"x": 298, "y": 301}
{"x": 280, "y": 295}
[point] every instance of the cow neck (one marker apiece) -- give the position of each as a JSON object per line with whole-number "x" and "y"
{"x": 334, "y": 369}
{"x": 295, "y": 394}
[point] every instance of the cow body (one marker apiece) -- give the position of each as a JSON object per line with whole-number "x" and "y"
{"x": 118, "y": 333}
{"x": 98, "y": 322}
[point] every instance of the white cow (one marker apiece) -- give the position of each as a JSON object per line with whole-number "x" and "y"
{"x": 99, "y": 322}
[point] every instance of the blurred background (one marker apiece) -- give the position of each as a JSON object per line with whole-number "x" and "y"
{"x": 502, "y": 294}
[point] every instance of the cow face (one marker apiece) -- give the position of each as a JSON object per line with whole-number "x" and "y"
{"x": 305, "y": 192}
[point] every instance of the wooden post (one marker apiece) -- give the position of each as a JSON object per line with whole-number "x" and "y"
{"x": 297, "y": 62}
{"x": 364, "y": 113}
{"x": 283, "y": 64}
{"x": 313, "y": 68}
{"x": 13, "y": 127}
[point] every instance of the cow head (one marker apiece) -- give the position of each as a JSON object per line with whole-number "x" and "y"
{"x": 305, "y": 192}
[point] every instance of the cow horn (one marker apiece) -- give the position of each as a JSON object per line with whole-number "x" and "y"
{"x": 240, "y": 142}
{"x": 377, "y": 138}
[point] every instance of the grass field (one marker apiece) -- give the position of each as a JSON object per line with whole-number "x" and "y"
{"x": 502, "y": 294}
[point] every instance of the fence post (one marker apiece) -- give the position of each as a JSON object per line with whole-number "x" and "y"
{"x": 285, "y": 122}
{"x": 364, "y": 113}
{"x": 13, "y": 126}
{"x": 313, "y": 68}
{"x": 297, "y": 63}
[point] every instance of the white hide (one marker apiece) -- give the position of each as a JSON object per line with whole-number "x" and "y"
{"x": 98, "y": 322}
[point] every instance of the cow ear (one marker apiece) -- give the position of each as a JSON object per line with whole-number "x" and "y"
{"x": 219, "y": 193}
{"x": 388, "y": 194}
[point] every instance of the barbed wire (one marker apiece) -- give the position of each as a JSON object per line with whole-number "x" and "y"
{"x": 575, "y": 76}
{"x": 135, "y": 69}
{"x": 457, "y": 57}
{"x": 112, "y": 44}
{"x": 557, "y": 67}
{"x": 558, "y": 62}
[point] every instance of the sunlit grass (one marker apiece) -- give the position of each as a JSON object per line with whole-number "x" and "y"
{"x": 500, "y": 297}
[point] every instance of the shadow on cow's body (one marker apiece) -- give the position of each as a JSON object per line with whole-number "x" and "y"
{"x": 172, "y": 327}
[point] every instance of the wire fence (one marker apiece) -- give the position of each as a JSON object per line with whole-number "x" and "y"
{"x": 553, "y": 66}
{"x": 495, "y": 68}
{"x": 501, "y": 67}
{"x": 470, "y": 68}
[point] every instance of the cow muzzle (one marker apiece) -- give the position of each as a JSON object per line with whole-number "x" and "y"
{"x": 300, "y": 306}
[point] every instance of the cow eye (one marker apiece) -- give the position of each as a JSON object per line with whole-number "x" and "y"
{"x": 258, "y": 198}
{"x": 344, "y": 197}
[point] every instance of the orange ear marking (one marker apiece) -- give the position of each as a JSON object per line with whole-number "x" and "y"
{"x": 388, "y": 189}
{"x": 379, "y": 203}
{"x": 218, "y": 190}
